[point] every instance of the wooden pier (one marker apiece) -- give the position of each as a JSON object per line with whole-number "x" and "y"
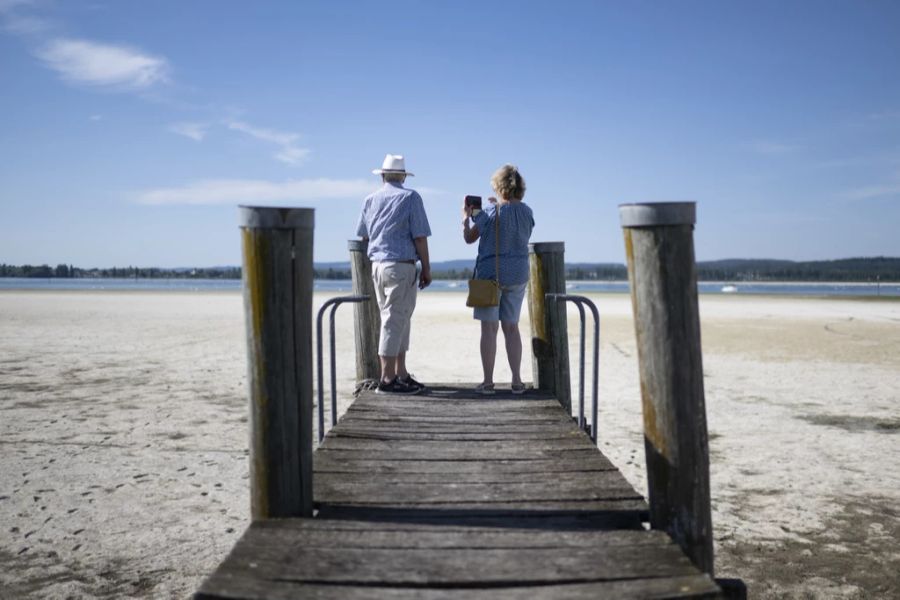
{"x": 451, "y": 494}
{"x": 457, "y": 495}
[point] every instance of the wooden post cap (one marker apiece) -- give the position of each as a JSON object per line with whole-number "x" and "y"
{"x": 546, "y": 247}
{"x": 357, "y": 245}
{"x": 276, "y": 217}
{"x": 651, "y": 214}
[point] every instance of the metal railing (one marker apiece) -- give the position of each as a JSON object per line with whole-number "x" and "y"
{"x": 333, "y": 303}
{"x": 579, "y": 301}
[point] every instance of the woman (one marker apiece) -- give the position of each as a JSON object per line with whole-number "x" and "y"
{"x": 515, "y": 224}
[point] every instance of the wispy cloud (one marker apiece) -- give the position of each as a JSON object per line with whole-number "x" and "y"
{"x": 780, "y": 218}
{"x": 871, "y": 192}
{"x": 10, "y": 5}
{"x": 289, "y": 152}
{"x": 267, "y": 135}
{"x": 867, "y": 160}
{"x": 771, "y": 148}
{"x": 885, "y": 115}
{"x": 121, "y": 67}
{"x": 96, "y": 117}
{"x": 25, "y": 24}
{"x": 80, "y": 61}
{"x": 15, "y": 18}
{"x": 254, "y": 191}
{"x": 195, "y": 131}
{"x": 292, "y": 155}
{"x": 428, "y": 192}
{"x": 103, "y": 65}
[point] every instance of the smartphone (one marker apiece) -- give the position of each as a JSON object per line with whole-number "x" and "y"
{"x": 474, "y": 202}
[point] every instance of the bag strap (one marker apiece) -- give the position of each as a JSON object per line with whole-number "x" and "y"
{"x": 496, "y": 248}
{"x": 497, "y": 245}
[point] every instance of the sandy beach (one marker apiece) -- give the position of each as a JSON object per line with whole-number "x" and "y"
{"x": 123, "y": 434}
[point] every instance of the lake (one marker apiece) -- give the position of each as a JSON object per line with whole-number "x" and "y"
{"x": 574, "y": 287}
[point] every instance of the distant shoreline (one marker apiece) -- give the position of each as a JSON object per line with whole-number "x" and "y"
{"x": 878, "y": 269}
{"x": 230, "y": 281}
{"x": 743, "y": 289}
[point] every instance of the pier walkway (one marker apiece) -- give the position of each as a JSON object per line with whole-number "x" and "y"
{"x": 453, "y": 494}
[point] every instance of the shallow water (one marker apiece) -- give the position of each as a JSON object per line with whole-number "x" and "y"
{"x": 343, "y": 285}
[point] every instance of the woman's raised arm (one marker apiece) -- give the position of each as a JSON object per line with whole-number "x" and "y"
{"x": 470, "y": 234}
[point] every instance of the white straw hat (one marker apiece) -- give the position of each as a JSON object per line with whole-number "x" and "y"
{"x": 393, "y": 163}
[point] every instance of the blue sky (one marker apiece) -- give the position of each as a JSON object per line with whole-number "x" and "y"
{"x": 130, "y": 130}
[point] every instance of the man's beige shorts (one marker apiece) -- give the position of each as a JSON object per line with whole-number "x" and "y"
{"x": 395, "y": 288}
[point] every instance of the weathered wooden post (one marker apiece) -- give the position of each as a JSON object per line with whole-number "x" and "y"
{"x": 366, "y": 317}
{"x": 278, "y": 284}
{"x": 661, "y": 270}
{"x": 549, "y": 325}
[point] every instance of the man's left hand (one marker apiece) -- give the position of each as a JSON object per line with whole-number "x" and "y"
{"x": 425, "y": 278}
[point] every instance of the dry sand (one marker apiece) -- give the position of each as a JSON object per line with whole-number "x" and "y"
{"x": 123, "y": 435}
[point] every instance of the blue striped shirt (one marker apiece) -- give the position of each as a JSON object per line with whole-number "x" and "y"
{"x": 392, "y": 218}
{"x": 516, "y": 224}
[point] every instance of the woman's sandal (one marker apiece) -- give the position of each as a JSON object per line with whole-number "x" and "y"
{"x": 485, "y": 389}
{"x": 517, "y": 388}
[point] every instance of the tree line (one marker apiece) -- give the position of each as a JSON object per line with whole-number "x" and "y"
{"x": 849, "y": 269}
{"x": 879, "y": 268}
{"x": 73, "y": 272}
{"x": 65, "y": 271}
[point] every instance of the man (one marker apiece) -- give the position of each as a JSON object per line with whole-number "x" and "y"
{"x": 393, "y": 221}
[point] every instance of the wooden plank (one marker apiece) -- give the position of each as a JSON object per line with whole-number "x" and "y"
{"x": 568, "y": 485}
{"x": 352, "y": 423}
{"x": 242, "y": 586}
{"x": 370, "y": 534}
{"x": 429, "y": 509}
{"x": 460, "y": 419}
{"x": 477, "y": 405}
{"x": 458, "y": 566}
{"x": 428, "y": 447}
{"x": 475, "y": 402}
{"x": 461, "y": 391}
{"x": 625, "y": 514}
{"x": 504, "y": 428}
{"x": 453, "y": 436}
{"x": 366, "y": 491}
{"x": 576, "y": 441}
{"x": 343, "y": 462}
{"x": 596, "y": 478}
{"x": 513, "y": 525}
{"x": 461, "y": 452}
{"x": 547, "y": 414}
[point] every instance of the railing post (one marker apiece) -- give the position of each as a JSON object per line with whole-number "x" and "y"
{"x": 366, "y": 317}
{"x": 549, "y": 333}
{"x": 278, "y": 283}
{"x": 659, "y": 246}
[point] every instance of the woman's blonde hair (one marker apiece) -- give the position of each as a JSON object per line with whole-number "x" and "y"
{"x": 508, "y": 182}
